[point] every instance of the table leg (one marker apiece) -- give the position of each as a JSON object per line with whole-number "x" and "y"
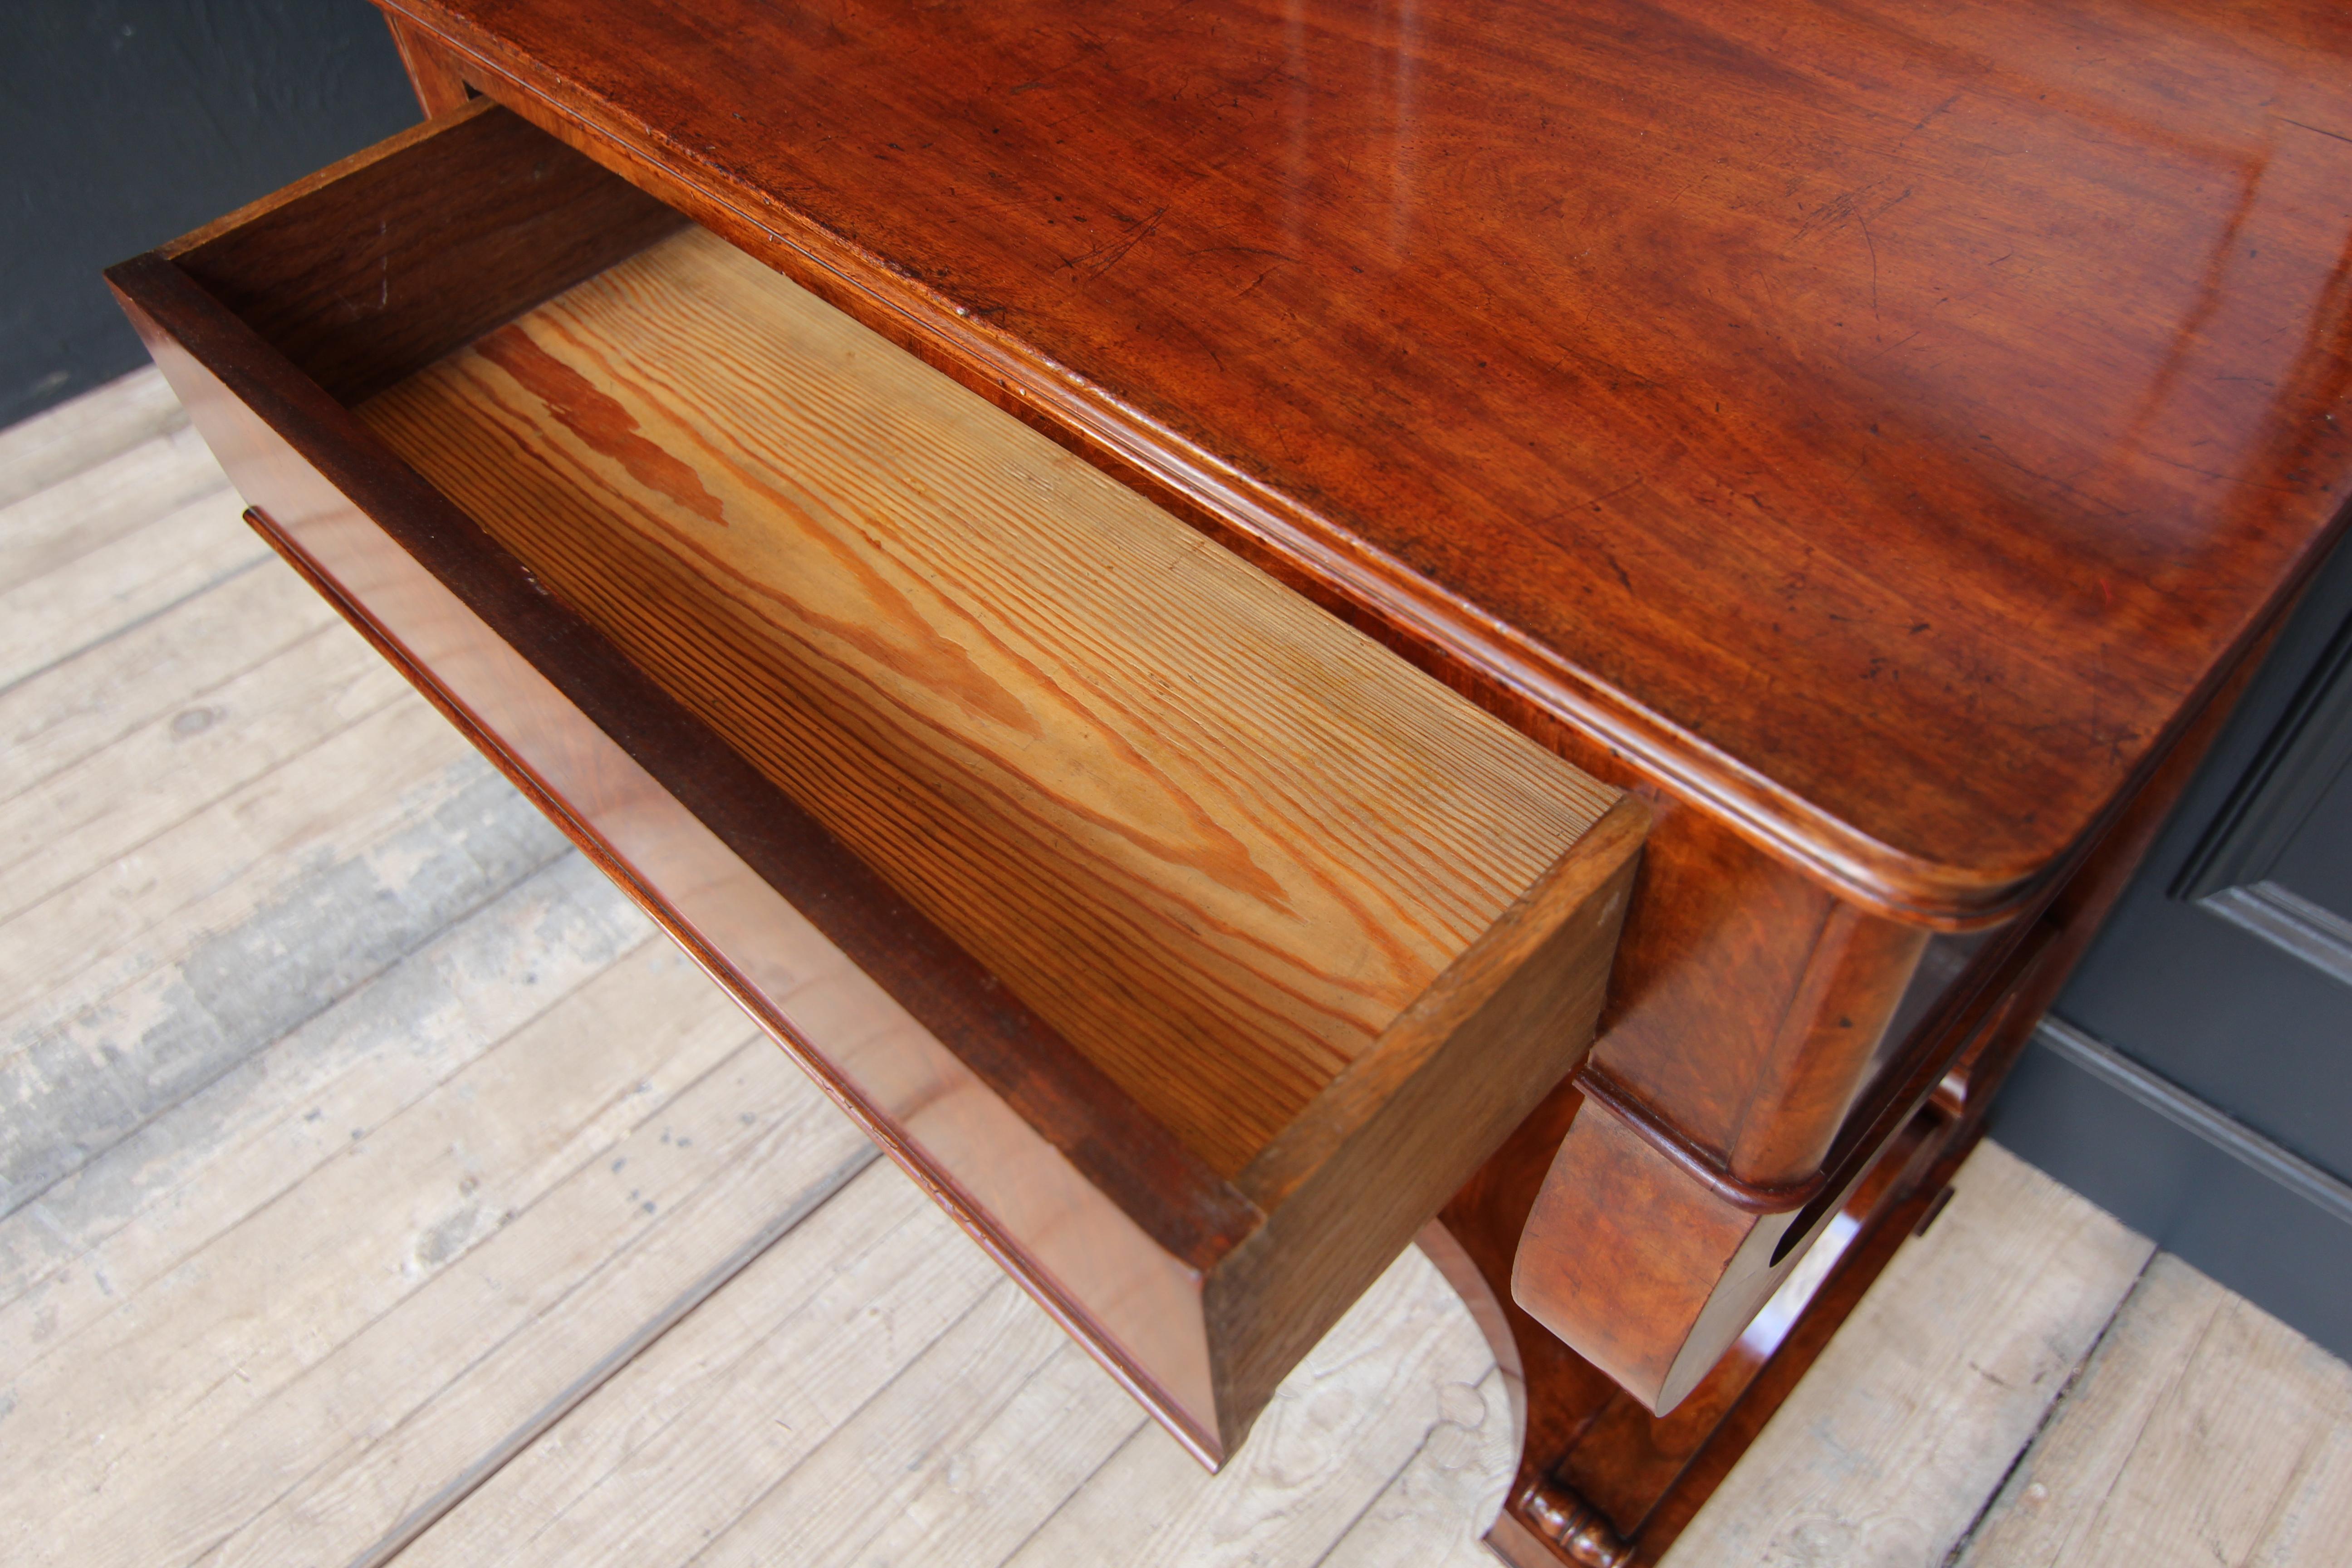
{"x": 1601, "y": 1482}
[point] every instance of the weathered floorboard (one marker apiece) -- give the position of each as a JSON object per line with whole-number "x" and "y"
{"x": 85, "y": 703}
{"x": 302, "y": 1384}
{"x": 776, "y": 1151}
{"x": 2203, "y": 1431}
{"x": 1434, "y": 1512}
{"x": 91, "y": 1240}
{"x": 212, "y": 871}
{"x": 86, "y": 432}
{"x": 174, "y": 1001}
{"x": 933, "y": 1444}
{"x": 265, "y": 1341}
{"x": 60, "y": 523}
{"x": 185, "y": 552}
{"x": 1340, "y": 1430}
{"x": 915, "y": 1409}
{"x": 1887, "y": 1449}
{"x": 272, "y": 1292}
{"x": 706, "y": 1421}
{"x": 70, "y": 825}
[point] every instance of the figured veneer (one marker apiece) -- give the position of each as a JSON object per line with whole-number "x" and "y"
{"x": 1875, "y": 437}
{"x": 1877, "y": 422}
{"x": 1189, "y": 946}
{"x": 1597, "y": 1456}
{"x": 1642, "y": 486}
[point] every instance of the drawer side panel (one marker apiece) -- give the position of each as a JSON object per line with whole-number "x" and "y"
{"x": 1130, "y": 1296}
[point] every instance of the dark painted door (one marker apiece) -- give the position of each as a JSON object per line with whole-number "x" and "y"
{"x": 2196, "y": 1076}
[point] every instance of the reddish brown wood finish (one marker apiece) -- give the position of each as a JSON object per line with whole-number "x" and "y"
{"x": 937, "y": 1061}
{"x": 377, "y": 265}
{"x": 1840, "y": 530}
{"x": 432, "y": 70}
{"x": 1870, "y": 433}
{"x": 1839, "y": 411}
{"x": 1197, "y": 1291}
{"x": 1603, "y": 1480}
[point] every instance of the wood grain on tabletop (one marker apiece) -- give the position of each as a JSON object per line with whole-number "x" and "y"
{"x": 984, "y": 633}
{"x": 1976, "y": 372}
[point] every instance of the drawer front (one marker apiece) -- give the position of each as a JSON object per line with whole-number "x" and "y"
{"x": 1123, "y": 1290}
{"x": 1190, "y": 948}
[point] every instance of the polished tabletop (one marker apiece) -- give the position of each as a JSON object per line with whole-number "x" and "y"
{"x": 1879, "y": 420}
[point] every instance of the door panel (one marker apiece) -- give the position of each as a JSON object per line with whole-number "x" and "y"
{"x": 2200, "y": 1082}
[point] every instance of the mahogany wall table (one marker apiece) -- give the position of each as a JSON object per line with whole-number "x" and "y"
{"x": 1878, "y": 437}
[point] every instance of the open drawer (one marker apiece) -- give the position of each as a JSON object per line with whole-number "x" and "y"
{"x": 1189, "y": 946}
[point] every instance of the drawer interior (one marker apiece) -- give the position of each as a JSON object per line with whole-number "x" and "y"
{"x": 1216, "y": 838}
{"x": 1280, "y": 901}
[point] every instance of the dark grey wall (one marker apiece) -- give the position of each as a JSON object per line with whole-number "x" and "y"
{"x": 124, "y": 122}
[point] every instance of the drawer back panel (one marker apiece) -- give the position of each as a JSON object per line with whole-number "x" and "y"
{"x": 371, "y": 268}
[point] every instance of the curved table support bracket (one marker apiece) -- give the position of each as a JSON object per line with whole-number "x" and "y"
{"x": 1602, "y": 1477}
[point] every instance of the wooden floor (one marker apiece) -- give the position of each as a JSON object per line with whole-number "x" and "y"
{"x": 375, "y": 1184}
